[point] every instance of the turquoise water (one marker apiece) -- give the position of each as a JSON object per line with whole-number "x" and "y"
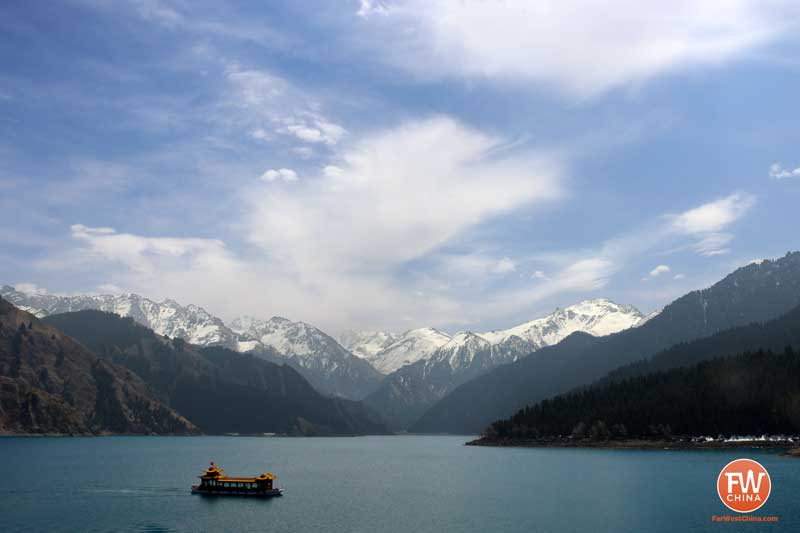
{"x": 372, "y": 484}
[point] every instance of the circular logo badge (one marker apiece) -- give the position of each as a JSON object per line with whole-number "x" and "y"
{"x": 744, "y": 485}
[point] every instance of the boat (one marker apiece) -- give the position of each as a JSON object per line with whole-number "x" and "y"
{"x": 214, "y": 482}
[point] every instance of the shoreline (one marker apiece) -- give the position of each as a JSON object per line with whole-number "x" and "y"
{"x": 792, "y": 448}
{"x": 189, "y": 435}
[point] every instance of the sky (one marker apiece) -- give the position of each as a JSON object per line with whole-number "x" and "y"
{"x": 386, "y": 165}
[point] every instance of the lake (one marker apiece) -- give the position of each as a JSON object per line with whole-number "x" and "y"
{"x": 372, "y": 484}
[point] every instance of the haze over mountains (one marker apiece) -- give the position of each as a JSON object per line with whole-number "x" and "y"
{"x": 317, "y": 356}
{"x": 423, "y": 380}
{"x": 355, "y": 367}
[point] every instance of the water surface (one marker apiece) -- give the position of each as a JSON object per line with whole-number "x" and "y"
{"x": 372, "y": 484}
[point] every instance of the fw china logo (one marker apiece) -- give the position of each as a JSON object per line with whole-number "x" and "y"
{"x": 744, "y": 485}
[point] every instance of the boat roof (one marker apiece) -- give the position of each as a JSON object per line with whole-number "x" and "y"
{"x": 213, "y": 471}
{"x": 247, "y": 479}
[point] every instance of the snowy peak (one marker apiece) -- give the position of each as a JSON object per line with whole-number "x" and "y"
{"x": 289, "y": 338}
{"x": 598, "y": 317}
{"x": 388, "y": 352}
{"x": 168, "y": 318}
{"x": 461, "y": 350}
{"x": 366, "y": 344}
{"x": 323, "y": 361}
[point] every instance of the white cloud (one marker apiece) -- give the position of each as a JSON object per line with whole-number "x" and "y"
{"x": 145, "y": 254}
{"x": 778, "y": 172}
{"x": 714, "y": 216}
{"x": 397, "y": 195}
{"x": 660, "y": 269}
{"x": 504, "y": 266}
{"x": 679, "y": 276}
{"x": 30, "y": 288}
{"x": 332, "y": 171}
{"x": 335, "y": 248}
{"x": 270, "y": 104}
{"x": 371, "y": 7}
{"x": 584, "y": 47}
{"x": 706, "y": 222}
{"x": 337, "y": 252}
{"x": 538, "y": 274}
{"x": 284, "y": 174}
{"x": 314, "y": 129}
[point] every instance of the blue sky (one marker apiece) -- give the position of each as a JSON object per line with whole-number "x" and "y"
{"x": 396, "y": 164}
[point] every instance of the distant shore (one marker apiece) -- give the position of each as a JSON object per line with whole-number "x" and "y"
{"x": 792, "y": 446}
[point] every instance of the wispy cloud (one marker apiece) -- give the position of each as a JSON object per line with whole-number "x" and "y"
{"x": 396, "y": 195}
{"x": 714, "y": 216}
{"x": 270, "y": 104}
{"x": 713, "y": 244}
{"x": 777, "y": 171}
{"x": 706, "y": 222}
{"x": 146, "y": 255}
{"x": 599, "y": 46}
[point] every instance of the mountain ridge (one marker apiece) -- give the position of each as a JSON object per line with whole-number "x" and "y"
{"x": 408, "y": 392}
{"x": 336, "y": 372}
{"x": 222, "y": 391}
{"x": 753, "y": 293}
{"x": 50, "y": 383}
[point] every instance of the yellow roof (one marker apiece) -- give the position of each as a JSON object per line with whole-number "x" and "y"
{"x": 214, "y": 469}
{"x": 262, "y": 477}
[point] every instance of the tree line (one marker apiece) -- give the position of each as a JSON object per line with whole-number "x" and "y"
{"x": 753, "y": 393}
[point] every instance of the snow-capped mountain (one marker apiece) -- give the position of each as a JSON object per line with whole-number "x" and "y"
{"x": 191, "y": 323}
{"x": 323, "y": 361}
{"x": 410, "y": 390}
{"x": 329, "y": 367}
{"x": 423, "y": 357}
{"x": 387, "y": 352}
{"x": 365, "y": 344}
{"x": 597, "y": 317}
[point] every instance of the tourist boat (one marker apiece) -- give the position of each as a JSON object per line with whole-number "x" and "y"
{"x": 214, "y": 482}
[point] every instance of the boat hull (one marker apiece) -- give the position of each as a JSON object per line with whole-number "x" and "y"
{"x": 243, "y": 493}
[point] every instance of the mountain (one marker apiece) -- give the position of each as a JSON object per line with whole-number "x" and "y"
{"x": 387, "y": 352}
{"x": 409, "y": 391}
{"x": 221, "y": 391}
{"x": 773, "y": 335}
{"x": 318, "y": 357}
{"x": 323, "y": 361}
{"x": 168, "y": 318}
{"x": 754, "y": 393}
{"x": 632, "y": 400}
{"x": 755, "y": 293}
{"x": 51, "y": 384}
{"x": 597, "y": 317}
{"x": 365, "y": 344}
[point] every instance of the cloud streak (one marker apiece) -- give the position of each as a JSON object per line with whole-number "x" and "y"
{"x": 777, "y": 171}
{"x": 584, "y": 48}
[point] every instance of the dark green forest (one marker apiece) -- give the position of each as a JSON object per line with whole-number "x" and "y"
{"x": 753, "y": 393}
